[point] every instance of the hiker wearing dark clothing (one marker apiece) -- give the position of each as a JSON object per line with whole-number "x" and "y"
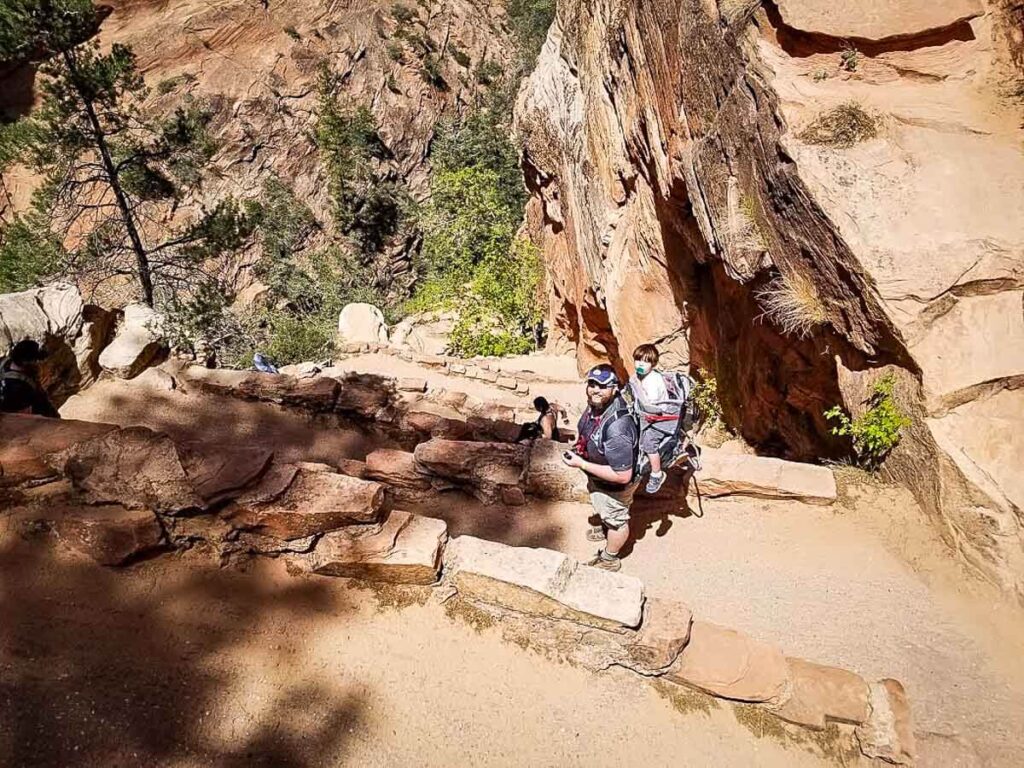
{"x": 546, "y": 425}
{"x": 20, "y": 391}
{"x": 606, "y": 450}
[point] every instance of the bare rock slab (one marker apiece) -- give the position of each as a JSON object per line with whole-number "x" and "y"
{"x": 732, "y": 665}
{"x": 315, "y": 500}
{"x": 821, "y": 694}
{"x": 110, "y": 535}
{"x": 548, "y": 477}
{"x": 404, "y": 549}
{"x": 26, "y": 442}
{"x": 854, "y": 20}
{"x": 888, "y": 733}
{"x": 489, "y": 470}
{"x": 663, "y": 635}
{"x": 725, "y": 474}
{"x": 543, "y": 582}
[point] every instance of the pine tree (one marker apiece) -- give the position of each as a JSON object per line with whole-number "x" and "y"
{"x": 112, "y": 175}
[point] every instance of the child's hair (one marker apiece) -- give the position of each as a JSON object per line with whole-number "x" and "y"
{"x": 648, "y": 353}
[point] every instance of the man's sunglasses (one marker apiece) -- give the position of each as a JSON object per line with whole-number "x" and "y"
{"x": 599, "y": 385}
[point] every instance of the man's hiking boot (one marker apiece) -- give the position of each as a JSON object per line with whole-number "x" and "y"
{"x": 606, "y": 563}
{"x": 655, "y": 482}
{"x": 596, "y": 533}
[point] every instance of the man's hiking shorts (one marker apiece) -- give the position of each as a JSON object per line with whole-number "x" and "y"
{"x": 611, "y": 506}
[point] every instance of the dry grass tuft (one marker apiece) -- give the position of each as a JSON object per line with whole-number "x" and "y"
{"x": 792, "y": 303}
{"x": 841, "y": 127}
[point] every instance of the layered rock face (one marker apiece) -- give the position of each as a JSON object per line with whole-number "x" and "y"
{"x": 679, "y": 187}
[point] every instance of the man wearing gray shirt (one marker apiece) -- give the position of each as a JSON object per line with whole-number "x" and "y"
{"x": 607, "y": 451}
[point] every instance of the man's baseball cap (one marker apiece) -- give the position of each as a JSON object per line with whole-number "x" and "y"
{"x": 603, "y": 375}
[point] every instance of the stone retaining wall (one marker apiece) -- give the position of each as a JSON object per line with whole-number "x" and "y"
{"x": 117, "y": 494}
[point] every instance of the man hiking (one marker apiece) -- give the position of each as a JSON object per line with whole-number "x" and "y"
{"x": 607, "y": 451}
{"x": 20, "y": 391}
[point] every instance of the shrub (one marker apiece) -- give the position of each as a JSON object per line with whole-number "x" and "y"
{"x": 392, "y": 84}
{"x": 530, "y": 22}
{"x": 876, "y": 431}
{"x": 705, "y": 393}
{"x": 431, "y": 72}
{"x": 29, "y": 253}
{"x": 488, "y": 72}
{"x": 841, "y": 127}
{"x": 793, "y": 304}
{"x": 292, "y": 32}
{"x": 460, "y": 57}
{"x": 403, "y": 14}
{"x": 849, "y": 58}
{"x": 395, "y": 51}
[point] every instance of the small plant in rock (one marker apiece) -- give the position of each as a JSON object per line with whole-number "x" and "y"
{"x": 432, "y": 72}
{"x": 292, "y": 32}
{"x": 403, "y": 14}
{"x": 460, "y": 57}
{"x": 793, "y": 304}
{"x": 392, "y": 84}
{"x": 876, "y": 431}
{"x": 849, "y": 58}
{"x": 488, "y": 72}
{"x": 841, "y": 127}
{"x": 705, "y": 393}
{"x": 395, "y": 52}
{"x": 820, "y": 75}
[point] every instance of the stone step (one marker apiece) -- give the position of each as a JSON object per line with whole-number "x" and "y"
{"x": 544, "y": 583}
{"x": 724, "y": 474}
{"x": 404, "y": 549}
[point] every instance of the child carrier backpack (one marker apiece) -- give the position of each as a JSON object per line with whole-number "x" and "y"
{"x": 679, "y": 407}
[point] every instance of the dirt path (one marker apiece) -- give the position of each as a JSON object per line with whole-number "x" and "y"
{"x": 832, "y": 585}
{"x": 174, "y": 663}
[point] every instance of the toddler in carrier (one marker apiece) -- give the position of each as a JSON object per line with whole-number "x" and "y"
{"x": 658, "y": 423}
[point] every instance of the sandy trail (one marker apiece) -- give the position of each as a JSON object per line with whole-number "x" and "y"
{"x": 176, "y": 663}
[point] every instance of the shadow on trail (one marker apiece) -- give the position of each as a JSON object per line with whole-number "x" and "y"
{"x": 153, "y": 665}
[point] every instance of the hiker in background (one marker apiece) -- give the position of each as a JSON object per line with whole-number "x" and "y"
{"x": 657, "y": 426}
{"x": 606, "y": 450}
{"x": 546, "y": 425}
{"x": 20, "y": 391}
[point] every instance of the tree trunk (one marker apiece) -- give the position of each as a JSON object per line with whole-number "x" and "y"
{"x": 141, "y": 257}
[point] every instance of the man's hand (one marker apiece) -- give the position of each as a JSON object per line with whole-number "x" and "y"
{"x": 573, "y": 460}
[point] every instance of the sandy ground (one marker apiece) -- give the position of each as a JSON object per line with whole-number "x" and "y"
{"x": 174, "y": 663}
{"x": 863, "y": 584}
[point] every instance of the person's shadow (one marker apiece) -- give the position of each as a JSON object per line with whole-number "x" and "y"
{"x": 659, "y": 511}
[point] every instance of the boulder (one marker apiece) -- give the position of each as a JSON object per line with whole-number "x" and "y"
{"x": 137, "y": 344}
{"x": 888, "y": 733}
{"x": 487, "y": 470}
{"x": 425, "y": 334}
{"x": 316, "y": 500}
{"x": 821, "y": 694}
{"x": 727, "y": 663}
{"x": 110, "y": 535}
{"x": 404, "y": 549}
{"x": 363, "y": 395}
{"x": 412, "y": 385}
{"x": 543, "y": 583}
{"x": 218, "y": 473}
{"x": 134, "y": 467}
{"x": 664, "y": 633}
{"x": 362, "y": 323}
{"x": 39, "y": 314}
{"x": 548, "y": 477}
{"x": 27, "y": 442}
{"x": 156, "y": 379}
{"x": 397, "y": 469}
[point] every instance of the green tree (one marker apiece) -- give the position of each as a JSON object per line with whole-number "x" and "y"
{"x": 474, "y": 264}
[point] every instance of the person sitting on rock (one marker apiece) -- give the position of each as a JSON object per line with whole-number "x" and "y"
{"x": 20, "y": 391}
{"x": 606, "y": 450}
{"x": 546, "y": 425}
